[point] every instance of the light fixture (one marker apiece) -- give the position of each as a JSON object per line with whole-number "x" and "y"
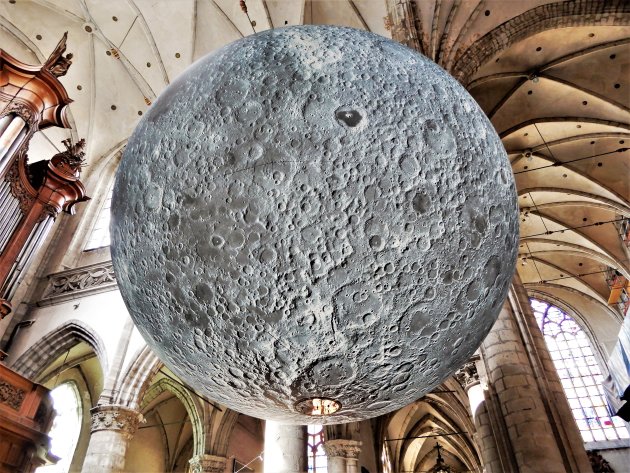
{"x": 317, "y": 406}
{"x": 440, "y": 465}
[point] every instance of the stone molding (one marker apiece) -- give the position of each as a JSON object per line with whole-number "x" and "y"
{"x": 79, "y": 282}
{"x": 118, "y": 418}
{"x": 343, "y": 448}
{"x": 207, "y": 464}
{"x": 467, "y": 376}
{"x": 11, "y": 395}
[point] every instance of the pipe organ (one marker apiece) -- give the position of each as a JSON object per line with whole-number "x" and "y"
{"x": 32, "y": 194}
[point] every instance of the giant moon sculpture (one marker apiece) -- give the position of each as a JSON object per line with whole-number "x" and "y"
{"x": 314, "y": 220}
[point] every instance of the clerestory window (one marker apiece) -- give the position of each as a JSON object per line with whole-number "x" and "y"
{"x": 580, "y": 375}
{"x": 99, "y": 236}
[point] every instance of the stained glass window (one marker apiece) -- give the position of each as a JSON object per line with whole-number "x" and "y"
{"x": 317, "y": 460}
{"x": 99, "y": 237}
{"x": 573, "y": 356}
{"x": 66, "y": 427}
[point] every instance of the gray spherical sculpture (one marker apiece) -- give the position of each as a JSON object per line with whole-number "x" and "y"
{"x": 314, "y": 220}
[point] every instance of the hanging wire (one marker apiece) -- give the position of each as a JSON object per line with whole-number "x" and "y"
{"x": 562, "y": 163}
{"x": 258, "y": 457}
{"x": 596, "y": 224}
{"x": 427, "y": 436}
{"x": 60, "y": 369}
{"x": 574, "y": 276}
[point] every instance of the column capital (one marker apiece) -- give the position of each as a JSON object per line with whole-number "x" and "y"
{"x": 467, "y": 376}
{"x": 118, "y": 418}
{"x": 343, "y": 448}
{"x": 207, "y": 464}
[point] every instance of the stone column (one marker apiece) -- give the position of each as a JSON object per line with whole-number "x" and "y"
{"x": 485, "y": 438}
{"x": 285, "y": 448}
{"x": 112, "y": 429}
{"x": 556, "y": 404}
{"x": 468, "y": 378}
{"x": 207, "y": 464}
{"x": 532, "y": 444}
{"x": 343, "y": 455}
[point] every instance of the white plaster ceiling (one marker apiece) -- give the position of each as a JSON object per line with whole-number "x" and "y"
{"x": 578, "y": 106}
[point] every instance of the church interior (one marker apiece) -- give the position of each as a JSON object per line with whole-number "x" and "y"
{"x": 546, "y": 391}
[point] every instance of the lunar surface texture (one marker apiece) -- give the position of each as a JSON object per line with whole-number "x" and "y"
{"x": 314, "y": 212}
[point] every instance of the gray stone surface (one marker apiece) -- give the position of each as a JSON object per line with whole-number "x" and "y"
{"x": 314, "y": 211}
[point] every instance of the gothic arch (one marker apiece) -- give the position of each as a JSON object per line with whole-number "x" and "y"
{"x": 32, "y": 363}
{"x": 539, "y": 19}
{"x": 582, "y": 321}
{"x": 137, "y": 378}
{"x": 192, "y": 408}
{"x": 440, "y": 412}
{"x": 224, "y": 431}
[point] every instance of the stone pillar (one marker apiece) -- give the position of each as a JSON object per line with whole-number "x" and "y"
{"x": 522, "y": 416}
{"x": 285, "y": 448}
{"x": 207, "y": 464}
{"x": 556, "y": 404}
{"x": 112, "y": 429}
{"x": 485, "y": 438}
{"x": 343, "y": 455}
{"x": 468, "y": 378}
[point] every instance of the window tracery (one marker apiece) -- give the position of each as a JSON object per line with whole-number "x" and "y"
{"x": 317, "y": 459}
{"x": 579, "y": 373}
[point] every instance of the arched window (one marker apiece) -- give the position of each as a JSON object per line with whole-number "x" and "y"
{"x": 317, "y": 460}
{"x": 99, "y": 236}
{"x": 66, "y": 428}
{"x": 581, "y": 377}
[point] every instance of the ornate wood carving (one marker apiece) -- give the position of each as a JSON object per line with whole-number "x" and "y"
{"x": 11, "y": 395}
{"x": 26, "y": 415}
{"x": 599, "y": 463}
{"x": 31, "y": 99}
{"x": 44, "y": 190}
{"x": 57, "y": 63}
{"x": 23, "y": 109}
{"x": 34, "y": 92}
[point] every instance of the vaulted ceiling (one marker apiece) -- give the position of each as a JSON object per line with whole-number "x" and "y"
{"x": 554, "y": 78}
{"x": 560, "y": 100}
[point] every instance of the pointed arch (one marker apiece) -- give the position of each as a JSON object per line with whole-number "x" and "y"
{"x": 51, "y": 346}
{"x": 137, "y": 378}
{"x": 194, "y": 410}
{"x": 580, "y": 373}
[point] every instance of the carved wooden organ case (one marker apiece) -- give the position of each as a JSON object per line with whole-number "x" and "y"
{"x": 32, "y": 195}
